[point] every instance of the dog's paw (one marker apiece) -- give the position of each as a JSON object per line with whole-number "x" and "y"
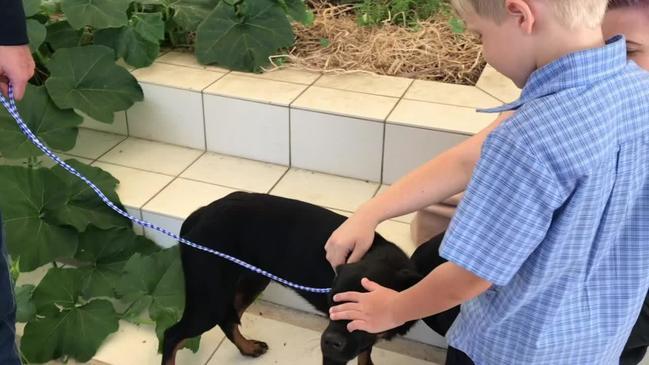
{"x": 255, "y": 348}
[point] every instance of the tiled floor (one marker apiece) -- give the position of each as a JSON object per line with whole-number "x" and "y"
{"x": 164, "y": 183}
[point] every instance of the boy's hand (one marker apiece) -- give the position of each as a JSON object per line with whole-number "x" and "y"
{"x": 351, "y": 240}
{"x": 370, "y": 312}
{"x": 16, "y": 67}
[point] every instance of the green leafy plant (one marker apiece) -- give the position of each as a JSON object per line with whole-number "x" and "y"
{"x": 406, "y": 13}
{"x": 50, "y": 216}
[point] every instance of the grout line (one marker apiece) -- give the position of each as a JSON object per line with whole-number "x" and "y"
{"x": 278, "y": 180}
{"x": 334, "y": 114}
{"x": 244, "y": 74}
{"x": 128, "y": 129}
{"x": 406, "y": 124}
{"x": 204, "y": 121}
{"x": 134, "y": 168}
{"x": 111, "y": 148}
{"x": 151, "y": 83}
{"x": 175, "y": 178}
{"x": 215, "y": 350}
{"x": 290, "y": 139}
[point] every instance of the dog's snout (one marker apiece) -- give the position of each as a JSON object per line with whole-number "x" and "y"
{"x": 334, "y": 341}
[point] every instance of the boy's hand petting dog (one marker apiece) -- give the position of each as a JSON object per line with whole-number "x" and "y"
{"x": 371, "y": 312}
{"x": 351, "y": 241}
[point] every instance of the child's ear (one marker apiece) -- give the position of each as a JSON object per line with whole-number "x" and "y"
{"x": 523, "y": 12}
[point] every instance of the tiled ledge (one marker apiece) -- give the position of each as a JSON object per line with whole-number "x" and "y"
{"x": 164, "y": 183}
{"x": 357, "y": 125}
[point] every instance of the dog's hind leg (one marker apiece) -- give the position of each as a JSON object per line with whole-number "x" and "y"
{"x": 206, "y": 303}
{"x": 247, "y": 290}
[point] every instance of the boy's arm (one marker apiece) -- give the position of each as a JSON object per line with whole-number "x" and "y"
{"x": 446, "y": 175}
{"x": 447, "y": 286}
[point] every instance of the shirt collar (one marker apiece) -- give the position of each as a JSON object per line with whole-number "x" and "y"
{"x": 573, "y": 70}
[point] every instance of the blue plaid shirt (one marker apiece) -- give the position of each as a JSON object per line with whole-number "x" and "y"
{"x": 557, "y": 217}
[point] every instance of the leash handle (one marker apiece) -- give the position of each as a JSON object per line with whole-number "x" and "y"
{"x": 10, "y": 104}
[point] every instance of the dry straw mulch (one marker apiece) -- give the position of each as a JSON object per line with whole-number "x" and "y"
{"x": 432, "y": 52}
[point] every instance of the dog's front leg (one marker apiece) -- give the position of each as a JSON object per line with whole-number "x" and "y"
{"x": 365, "y": 358}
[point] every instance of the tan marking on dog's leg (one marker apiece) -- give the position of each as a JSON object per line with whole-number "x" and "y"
{"x": 172, "y": 360}
{"x": 365, "y": 358}
{"x": 248, "y": 347}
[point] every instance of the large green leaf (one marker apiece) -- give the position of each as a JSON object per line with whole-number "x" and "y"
{"x": 31, "y": 7}
{"x": 99, "y": 14}
{"x": 60, "y": 288}
{"x": 149, "y": 25}
{"x": 243, "y": 42}
{"x": 190, "y": 13}
{"x": 56, "y": 127}
{"x": 25, "y": 308}
{"x": 129, "y": 45}
{"x": 62, "y": 35}
{"x": 65, "y": 326}
{"x": 83, "y": 207}
{"x": 106, "y": 252}
{"x": 87, "y": 78}
{"x": 76, "y": 332}
{"x": 142, "y": 276}
{"x": 25, "y": 197}
{"x": 156, "y": 283}
{"x": 36, "y": 33}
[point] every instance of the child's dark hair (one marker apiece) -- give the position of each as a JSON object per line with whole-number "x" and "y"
{"x": 616, "y": 4}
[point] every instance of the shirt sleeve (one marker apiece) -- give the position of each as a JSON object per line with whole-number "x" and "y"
{"x": 505, "y": 213}
{"x": 13, "y": 28}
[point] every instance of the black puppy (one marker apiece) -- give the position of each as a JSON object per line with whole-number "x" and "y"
{"x": 285, "y": 237}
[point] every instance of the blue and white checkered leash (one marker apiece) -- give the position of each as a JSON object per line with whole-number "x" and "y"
{"x": 10, "y": 105}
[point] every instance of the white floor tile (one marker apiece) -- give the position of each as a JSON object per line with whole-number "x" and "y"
{"x": 336, "y": 145}
{"x": 92, "y": 144}
{"x": 407, "y": 148}
{"x": 138, "y": 345}
{"x": 325, "y": 190}
{"x": 152, "y": 156}
{"x": 247, "y": 129}
{"x": 136, "y": 187}
{"x": 234, "y": 172}
{"x": 169, "y": 115}
{"x": 287, "y": 344}
{"x": 182, "y": 197}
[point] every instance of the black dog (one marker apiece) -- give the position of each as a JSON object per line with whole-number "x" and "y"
{"x": 285, "y": 237}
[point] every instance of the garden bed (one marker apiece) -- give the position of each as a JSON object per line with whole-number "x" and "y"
{"x": 429, "y": 49}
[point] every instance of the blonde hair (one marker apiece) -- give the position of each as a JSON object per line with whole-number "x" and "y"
{"x": 571, "y": 13}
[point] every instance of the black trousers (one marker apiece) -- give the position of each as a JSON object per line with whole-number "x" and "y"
{"x": 427, "y": 258}
{"x": 457, "y": 357}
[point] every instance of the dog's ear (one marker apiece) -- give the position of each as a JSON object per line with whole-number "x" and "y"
{"x": 409, "y": 277}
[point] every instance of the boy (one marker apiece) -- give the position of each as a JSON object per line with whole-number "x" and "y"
{"x": 548, "y": 248}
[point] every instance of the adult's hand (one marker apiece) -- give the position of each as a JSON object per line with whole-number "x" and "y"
{"x": 16, "y": 67}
